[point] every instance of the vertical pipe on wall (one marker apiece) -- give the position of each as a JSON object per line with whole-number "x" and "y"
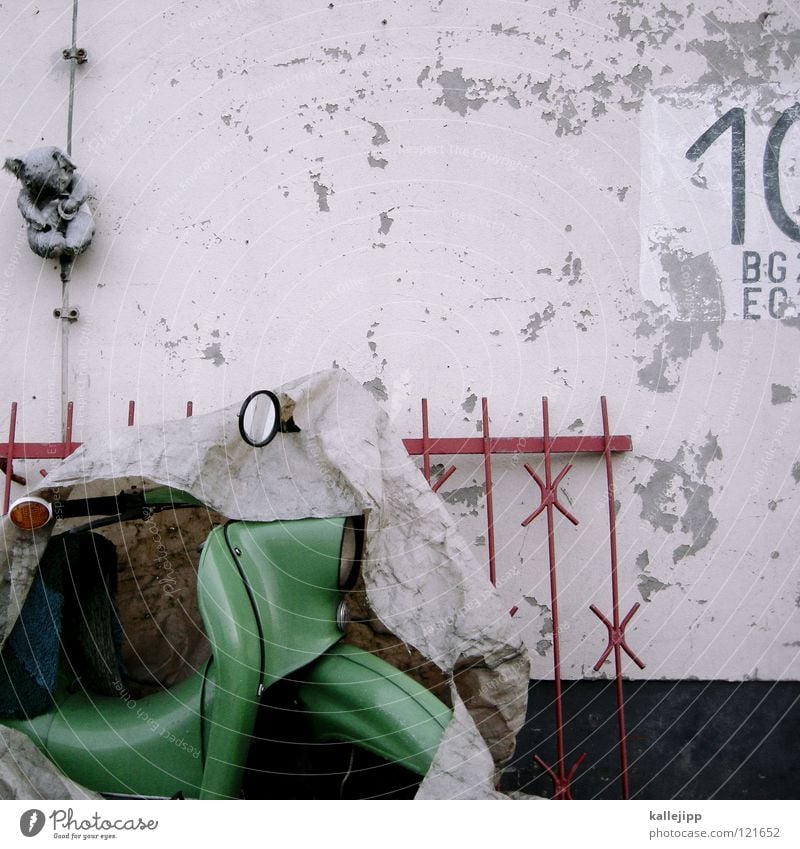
{"x": 64, "y": 321}
{"x": 73, "y": 63}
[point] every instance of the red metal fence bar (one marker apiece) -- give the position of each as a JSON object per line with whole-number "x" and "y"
{"x": 616, "y": 631}
{"x": 68, "y": 429}
{"x": 12, "y": 432}
{"x": 487, "y": 471}
{"x": 549, "y": 499}
{"x": 486, "y": 445}
{"x": 13, "y": 450}
{"x": 451, "y": 446}
{"x": 426, "y": 454}
{"x": 37, "y": 450}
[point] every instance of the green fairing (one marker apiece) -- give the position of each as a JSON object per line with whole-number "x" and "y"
{"x": 167, "y": 495}
{"x": 149, "y": 746}
{"x": 291, "y": 572}
{"x": 292, "y": 569}
{"x": 355, "y": 697}
{"x": 268, "y": 594}
{"x": 232, "y": 630}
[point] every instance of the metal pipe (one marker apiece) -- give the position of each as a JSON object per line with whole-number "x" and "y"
{"x": 612, "y": 537}
{"x": 68, "y": 429}
{"x": 12, "y": 430}
{"x": 549, "y": 499}
{"x": 551, "y": 551}
{"x": 72, "y": 67}
{"x": 487, "y": 469}
{"x": 615, "y": 628}
{"x": 64, "y": 356}
{"x": 426, "y": 457}
{"x": 451, "y": 445}
{"x": 73, "y": 63}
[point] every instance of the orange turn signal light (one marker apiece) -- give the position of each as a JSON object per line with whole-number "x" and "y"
{"x": 30, "y": 513}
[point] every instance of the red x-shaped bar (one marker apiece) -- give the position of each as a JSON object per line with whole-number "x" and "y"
{"x": 549, "y": 499}
{"x": 616, "y": 637}
{"x": 561, "y": 786}
{"x": 549, "y": 495}
{"x": 442, "y": 479}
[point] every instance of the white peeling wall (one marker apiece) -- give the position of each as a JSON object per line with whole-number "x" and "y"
{"x": 454, "y": 201}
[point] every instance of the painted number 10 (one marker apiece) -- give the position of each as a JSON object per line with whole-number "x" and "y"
{"x": 734, "y": 119}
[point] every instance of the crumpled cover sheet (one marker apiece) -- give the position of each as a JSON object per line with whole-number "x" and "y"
{"x": 422, "y": 580}
{"x": 25, "y": 773}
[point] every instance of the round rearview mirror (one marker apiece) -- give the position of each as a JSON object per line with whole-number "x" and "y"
{"x": 260, "y": 418}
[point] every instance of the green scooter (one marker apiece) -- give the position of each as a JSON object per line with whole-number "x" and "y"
{"x": 271, "y": 599}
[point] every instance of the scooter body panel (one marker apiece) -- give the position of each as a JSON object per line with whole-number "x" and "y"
{"x": 291, "y": 569}
{"x": 268, "y": 594}
{"x": 149, "y": 746}
{"x": 233, "y": 631}
{"x": 353, "y": 696}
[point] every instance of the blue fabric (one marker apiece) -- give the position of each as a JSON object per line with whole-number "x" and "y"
{"x": 70, "y": 604}
{"x": 29, "y": 660}
{"x": 34, "y": 639}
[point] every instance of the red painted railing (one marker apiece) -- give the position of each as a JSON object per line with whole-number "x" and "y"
{"x": 13, "y": 450}
{"x": 605, "y": 445}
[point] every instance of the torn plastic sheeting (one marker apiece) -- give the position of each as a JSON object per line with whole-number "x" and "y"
{"x": 422, "y": 581}
{"x": 25, "y": 773}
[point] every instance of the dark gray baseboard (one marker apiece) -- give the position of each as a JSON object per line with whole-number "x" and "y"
{"x": 686, "y": 740}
